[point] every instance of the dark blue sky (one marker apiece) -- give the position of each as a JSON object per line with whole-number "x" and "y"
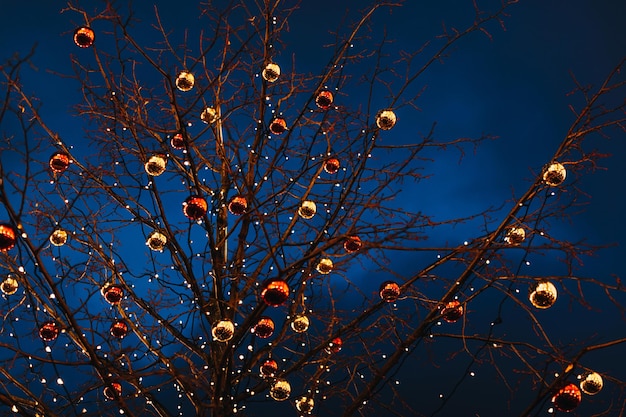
{"x": 514, "y": 86}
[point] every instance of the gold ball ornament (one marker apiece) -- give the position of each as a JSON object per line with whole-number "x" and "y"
{"x": 208, "y": 115}
{"x": 307, "y": 209}
{"x": 9, "y": 285}
{"x": 554, "y": 174}
{"x": 324, "y": 266}
{"x": 155, "y": 165}
{"x": 305, "y": 404}
{"x": 185, "y": 81}
{"x": 542, "y": 294}
{"x": 281, "y": 389}
{"x": 591, "y": 383}
{"x": 58, "y": 237}
{"x": 223, "y": 330}
{"x": 514, "y": 236}
{"x": 386, "y": 119}
{"x": 156, "y": 241}
{"x": 271, "y": 72}
{"x": 300, "y": 323}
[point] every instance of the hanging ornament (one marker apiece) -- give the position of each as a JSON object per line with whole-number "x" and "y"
{"x": 567, "y": 398}
{"x": 9, "y": 285}
{"x": 185, "y": 81}
{"x": 305, "y": 404}
{"x": 271, "y": 72}
{"x": 452, "y": 311}
{"x": 554, "y": 174}
{"x": 275, "y": 292}
{"x": 324, "y": 99}
{"x": 324, "y": 266}
{"x": 269, "y": 368}
{"x": 113, "y": 391}
{"x": 278, "y": 125}
{"x": 119, "y": 329}
{"x": 591, "y": 383}
{"x": 58, "y": 237}
{"x": 352, "y": 244}
{"x": 59, "y": 162}
{"x": 112, "y": 293}
{"x": 514, "y": 236}
{"x": 156, "y": 241}
{"x": 307, "y": 209}
{"x": 223, "y": 331}
{"x": 389, "y": 291}
{"x": 264, "y": 328}
{"x": 208, "y": 115}
{"x": 178, "y": 141}
{"x": 332, "y": 165}
{"x": 238, "y": 205}
{"x": 334, "y": 346}
{"x": 195, "y": 207}
{"x": 48, "y": 331}
{"x": 280, "y": 390}
{"x": 8, "y": 237}
{"x": 155, "y": 165}
{"x": 300, "y": 323}
{"x": 84, "y": 37}
{"x": 542, "y": 294}
{"x": 385, "y": 119}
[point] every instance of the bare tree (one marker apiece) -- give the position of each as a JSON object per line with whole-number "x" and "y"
{"x": 199, "y": 252}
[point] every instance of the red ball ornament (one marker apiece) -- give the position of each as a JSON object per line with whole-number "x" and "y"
{"x": 59, "y": 162}
{"x": 389, "y": 291}
{"x": 195, "y": 207}
{"x": 332, "y": 165}
{"x": 269, "y": 368}
{"x": 324, "y": 99}
{"x": 113, "y": 391}
{"x": 119, "y": 329}
{"x": 567, "y": 398}
{"x": 275, "y": 292}
{"x": 112, "y": 293}
{"x": 264, "y": 328}
{"x": 278, "y": 125}
{"x": 178, "y": 141}
{"x": 452, "y": 311}
{"x": 334, "y": 346}
{"x": 8, "y": 237}
{"x": 238, "y": 205}
{"x": 48, "y": 331}
{"x": 352, "y": 244}
{"x": 84, "y": 37}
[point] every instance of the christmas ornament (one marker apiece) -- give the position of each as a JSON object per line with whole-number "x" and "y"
{"x": 84, "y": 37}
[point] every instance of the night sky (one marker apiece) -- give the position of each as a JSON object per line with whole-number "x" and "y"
{"x": 514, "y": 86}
